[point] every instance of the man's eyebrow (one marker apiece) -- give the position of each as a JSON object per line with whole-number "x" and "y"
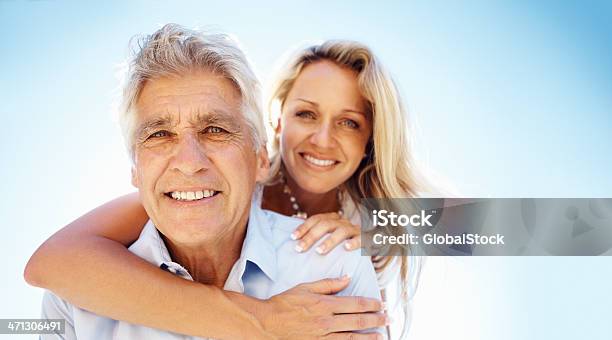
{"x": 216, "y": 117}
{"x": 153, "y": 123}
{"x": 315, "y": 104}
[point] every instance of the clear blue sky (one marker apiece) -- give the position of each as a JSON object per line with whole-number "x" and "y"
{"x": 509, "y": 99}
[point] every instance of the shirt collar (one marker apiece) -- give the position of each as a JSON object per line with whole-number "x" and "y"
{"x": 258, "y": 245}
{"x": 151, "y": 247}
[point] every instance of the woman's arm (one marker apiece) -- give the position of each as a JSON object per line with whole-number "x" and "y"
{"x": 90, "y": 255}
{"x": 87, "y": 264}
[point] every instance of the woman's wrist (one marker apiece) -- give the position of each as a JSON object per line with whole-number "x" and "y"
{"x": 258, "y": 309}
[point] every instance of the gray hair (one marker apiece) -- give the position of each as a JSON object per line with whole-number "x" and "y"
{"x": 175, "y": 50}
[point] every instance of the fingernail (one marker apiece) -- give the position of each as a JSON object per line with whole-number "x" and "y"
{"x": 320, "y": 249}
{"x": 384, "y": 305}
{"x": 347, "y": 246}
{"x": 345, "y": 277}
{"x": 294, "y": 235}
{"x": 299, "y": 248}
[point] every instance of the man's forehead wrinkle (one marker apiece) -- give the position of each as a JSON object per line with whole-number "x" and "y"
{"x": 215, "y": 106}
{"x": 158, "y": 120}
{"x": 208, "y": 90}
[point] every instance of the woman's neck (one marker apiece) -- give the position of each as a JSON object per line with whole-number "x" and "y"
{"x": 314, "y": 203}
{"x": 275, "y": 199}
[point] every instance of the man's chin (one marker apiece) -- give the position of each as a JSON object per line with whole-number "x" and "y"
{"x": 187, "y": 231}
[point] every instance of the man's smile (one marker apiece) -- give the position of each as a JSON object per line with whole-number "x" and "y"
{"x": 191, "y": 195}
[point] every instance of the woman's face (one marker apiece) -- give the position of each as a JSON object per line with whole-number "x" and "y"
{"x": 324, "y": 127}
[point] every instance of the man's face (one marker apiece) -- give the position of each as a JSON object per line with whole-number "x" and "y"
{"x": 195, "y": 165}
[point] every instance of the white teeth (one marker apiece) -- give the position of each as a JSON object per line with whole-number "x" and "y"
{"x": 319, "y": 162}
{"x": 191, "y": 195}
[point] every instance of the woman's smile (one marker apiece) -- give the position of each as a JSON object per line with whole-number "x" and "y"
{"x": 318, "y": 162}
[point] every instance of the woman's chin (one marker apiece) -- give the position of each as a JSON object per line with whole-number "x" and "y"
{"x": 317, "y": 187}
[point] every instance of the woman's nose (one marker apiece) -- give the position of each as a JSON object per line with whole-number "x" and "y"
{"x": 323, "y": 136}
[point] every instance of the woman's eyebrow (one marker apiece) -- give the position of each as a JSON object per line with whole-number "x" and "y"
{"x": 315, "y": 104}
{"x": 355, "y": 111}
{"x": 308, "y": 101}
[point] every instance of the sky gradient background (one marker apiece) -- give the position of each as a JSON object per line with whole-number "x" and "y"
{"x": 507, "y": 98}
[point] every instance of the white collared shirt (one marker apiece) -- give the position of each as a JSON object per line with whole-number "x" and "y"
{"x": 268, "y": 265}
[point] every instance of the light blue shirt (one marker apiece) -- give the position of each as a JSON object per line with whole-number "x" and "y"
{"x": 268, "y": 265}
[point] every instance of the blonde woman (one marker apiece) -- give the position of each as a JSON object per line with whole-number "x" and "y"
{"x": 342, "y": 135}
{"x": 328, "y": 96}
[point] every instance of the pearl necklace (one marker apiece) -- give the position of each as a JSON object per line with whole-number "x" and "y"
{"x": 299, "y": 213}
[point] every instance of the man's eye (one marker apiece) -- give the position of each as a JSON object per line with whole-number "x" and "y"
{"x": 350, "y": 123}
{"x": 159, "y": 134}
{"x": 214, "y": 129}
{"x": 305, "y": 114}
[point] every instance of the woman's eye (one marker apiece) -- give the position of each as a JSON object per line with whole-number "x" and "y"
{"x": 304, "y": 114}
{"x": 350, "y": 124}
{"x": 214, "y": 129}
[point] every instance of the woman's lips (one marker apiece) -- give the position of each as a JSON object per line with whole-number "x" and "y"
{"x": 318, "y": 161}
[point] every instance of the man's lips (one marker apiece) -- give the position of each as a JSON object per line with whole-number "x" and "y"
{"x": 191, "y": 195}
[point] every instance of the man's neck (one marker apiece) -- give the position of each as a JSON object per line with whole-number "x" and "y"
{"x": 211, "y": 262}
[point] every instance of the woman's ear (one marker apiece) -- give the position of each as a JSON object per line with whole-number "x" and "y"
{"x": 277, "y": 129}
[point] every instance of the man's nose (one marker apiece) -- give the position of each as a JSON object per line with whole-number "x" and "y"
{"x": 190, "y": 156}
{"x": 323, "y": 136}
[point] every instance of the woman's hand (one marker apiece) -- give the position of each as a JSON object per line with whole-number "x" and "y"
{"x": 315, "y": 227}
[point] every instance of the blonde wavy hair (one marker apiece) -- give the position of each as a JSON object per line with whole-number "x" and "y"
{"x": 388, "y": 170}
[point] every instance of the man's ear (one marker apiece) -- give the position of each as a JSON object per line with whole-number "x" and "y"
{"x": 263, "y": 165}
{"x": 135, "y": 181}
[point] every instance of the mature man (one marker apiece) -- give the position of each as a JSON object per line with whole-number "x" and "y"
{"x": 195, "y": 133}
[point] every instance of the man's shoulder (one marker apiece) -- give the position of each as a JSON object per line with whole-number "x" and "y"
{"x": 54, "y": 307}
{"x": 280, "y": 223}
{"x": 279, "y": 226}
{"x": 310, "y": 264}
